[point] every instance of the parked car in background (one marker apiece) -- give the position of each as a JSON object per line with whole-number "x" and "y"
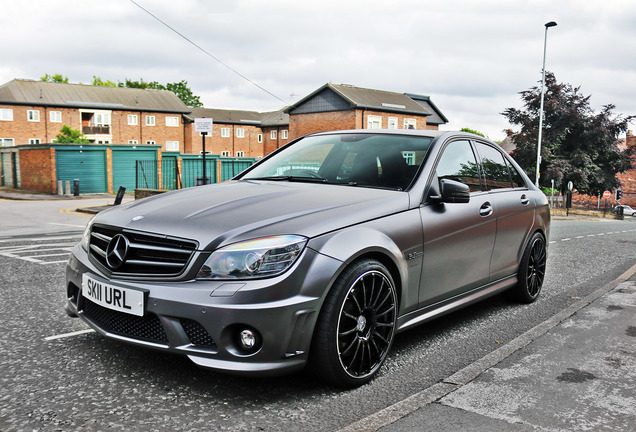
{"x": 627, "y": 210}
{"x": 316, "y": 255}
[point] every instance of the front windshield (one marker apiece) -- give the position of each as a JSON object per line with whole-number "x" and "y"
{"x": 365, "y": 159}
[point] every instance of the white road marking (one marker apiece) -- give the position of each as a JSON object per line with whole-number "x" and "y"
{"x": 71, "y": 225}
{"x": 67, "y": 335}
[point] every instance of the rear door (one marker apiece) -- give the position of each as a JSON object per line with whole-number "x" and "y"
{"x": 513, "y": 205}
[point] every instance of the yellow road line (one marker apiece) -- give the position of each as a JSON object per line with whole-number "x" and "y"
{"x": 72, "y": 210}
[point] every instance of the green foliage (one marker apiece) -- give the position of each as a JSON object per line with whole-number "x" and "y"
{"x": 549, "y": 191}
{"x": 58, "y": 78}
{"x": 69, "y": 135}
{"x": 97, "y": 81}
{"x": 472, "y": 131}
{"x": 577, "y": 144}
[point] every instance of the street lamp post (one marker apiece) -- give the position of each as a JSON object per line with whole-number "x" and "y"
{"x": 545, "y": 42}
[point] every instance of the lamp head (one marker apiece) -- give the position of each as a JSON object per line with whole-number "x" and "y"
{"x": 550, "y": 24}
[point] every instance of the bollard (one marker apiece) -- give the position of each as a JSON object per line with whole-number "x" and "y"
{"x": 60, "y": 189}
{"x": 68, "y": 187}
{"x": 120, "y": 195}
{"x": 75, "y": 187}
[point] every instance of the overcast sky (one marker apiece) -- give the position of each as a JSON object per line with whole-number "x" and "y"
{"x": 471, "y": 57}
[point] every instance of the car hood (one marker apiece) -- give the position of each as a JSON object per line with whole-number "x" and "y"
{"x": 224, "y": 213}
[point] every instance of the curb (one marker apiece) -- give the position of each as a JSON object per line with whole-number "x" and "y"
{"x": 401, "y": 409}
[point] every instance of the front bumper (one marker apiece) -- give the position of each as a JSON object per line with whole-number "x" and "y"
{"x": 202, "y": 319}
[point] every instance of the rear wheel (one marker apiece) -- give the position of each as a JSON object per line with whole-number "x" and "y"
{"x": 356, "y": 326}
{"x": 531, "y": 270}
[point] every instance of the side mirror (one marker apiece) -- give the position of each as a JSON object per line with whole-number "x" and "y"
{"x": 452, "y": 191}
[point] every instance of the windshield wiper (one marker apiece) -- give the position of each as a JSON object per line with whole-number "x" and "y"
{"x": 291, "y": 179}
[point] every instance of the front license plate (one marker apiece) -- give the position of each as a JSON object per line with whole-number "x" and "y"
{"x": 113, "y": 297}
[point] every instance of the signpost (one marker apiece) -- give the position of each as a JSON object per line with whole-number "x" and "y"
{"x": 606, "y": 194}
{"x": 203, "y": 126}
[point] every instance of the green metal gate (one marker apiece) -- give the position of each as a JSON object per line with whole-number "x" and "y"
{"x": 124, "y": 160}
{"x": 87, "y": 165}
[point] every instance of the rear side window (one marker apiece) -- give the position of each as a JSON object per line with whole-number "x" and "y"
{"x": 494, "y": 166}
{"x": 458, "y": 163}
{"x": 517, "y": 178}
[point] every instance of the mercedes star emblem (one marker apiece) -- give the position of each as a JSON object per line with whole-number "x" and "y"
{"x": 116, "y": 251}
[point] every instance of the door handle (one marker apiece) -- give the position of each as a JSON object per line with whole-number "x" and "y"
{"x": 485, "y": 209}
{"x": 525, "y": 200}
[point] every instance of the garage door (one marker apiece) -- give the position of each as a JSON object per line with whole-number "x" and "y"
{"x": 89, "y": 166}
{"x": 124, "y": 162}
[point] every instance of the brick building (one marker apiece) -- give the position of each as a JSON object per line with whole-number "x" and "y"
{"x": 628, "y": 178}
{"x": 33, "y": 112}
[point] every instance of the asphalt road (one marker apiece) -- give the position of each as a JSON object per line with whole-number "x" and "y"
{"x": 85, "y": 382}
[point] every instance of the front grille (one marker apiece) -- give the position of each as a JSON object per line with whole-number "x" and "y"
{"x": 147, "y": 255}
{"x": 198, "y": 336}
{"x": 146, "y": 328}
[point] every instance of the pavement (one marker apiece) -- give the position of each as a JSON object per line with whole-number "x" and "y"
{"x": 20, "y": 195}
{"x": 574, "y": 372}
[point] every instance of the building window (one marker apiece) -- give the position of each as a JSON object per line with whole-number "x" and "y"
{"x": 259, "y": 138}
{"x": 103, "y": 141}
{"x": 6, "y": 114}
{"x": 273, "y": 134}
{"x": 150, "y": 120}
{"x": 55, "y": 116}
{"x": 34, "y": 140}
{"x": 151, "y": 142}
{"x": 172, "y": 145}
{"x": 172, "y": 121}
{"x": 283, "y": 134}
{"x": 101, "y": 119}
{"x": 409, "y": 157}
{"x": 33, "y": 115}
{"x": 240, "y": 133}
{"x": 409, "y": 124}
{"x": 133, "y": 142}
{"x": 393, "y": 123}
{"x": 225, "y": 132}
{"x": 7, "y": 142}
{"x": 225, "y": 154}
{"x": 133, "y": 120}
{"x": 240, "y": 154}
{"x": 374, "y": 122}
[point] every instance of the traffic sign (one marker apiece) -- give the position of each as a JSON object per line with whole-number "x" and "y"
{"x": 606, "y": 194}
{"x": 203, "y": 125}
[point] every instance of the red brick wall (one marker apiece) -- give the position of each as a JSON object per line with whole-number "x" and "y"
{"x": 40, "y": 164}
{"x": 628, "y": 179}
{"x": 303, "y": 124}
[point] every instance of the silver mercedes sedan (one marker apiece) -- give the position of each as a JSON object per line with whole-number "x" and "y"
{"x": 317, "y": 255}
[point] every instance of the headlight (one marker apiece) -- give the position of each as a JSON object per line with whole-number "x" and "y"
{"x": 264, "y": 257}
{"x": 87, "y": 234}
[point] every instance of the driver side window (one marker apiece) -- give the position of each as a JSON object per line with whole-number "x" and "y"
{"x": 458, "y": 163}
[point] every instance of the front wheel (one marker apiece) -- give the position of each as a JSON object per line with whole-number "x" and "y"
{"x": 356, "y": 326}
{"x": 531, "y": 270}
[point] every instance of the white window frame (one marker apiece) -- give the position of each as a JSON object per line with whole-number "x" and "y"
{"x": 35, "y": 141}
{"x": 410, "y": 121}
{"x": 225, "y": 132}
{"x": 133, "y": 142}
{"x": 240, "y": 133}
{"x": 225, "y": 153}
{"x": 393, "y": 122}
{"x": 4, "y": 142}
{"x": 133, "y": 119}
{"x": 6, "y": 114}
{"x": 273, "y": 134}
{"x": 151, "y": 120}
{"x": 101, "y": 119}
{"x": 33, "y": 115}
{"x": 372, "y": 121}
{"x": 284, "y": 134}
{"x": 240, "y": 154}
{"x": 151, "y": 142}
{"x": 259, "y": 138}
{"x": 55, "y": 116}
{"x": 172, "y": 145}
{"x": 172, "y": 121}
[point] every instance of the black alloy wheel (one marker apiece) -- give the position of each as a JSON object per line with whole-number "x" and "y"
{"x": 531, "y": 270}
{"x": 356, "y": 327}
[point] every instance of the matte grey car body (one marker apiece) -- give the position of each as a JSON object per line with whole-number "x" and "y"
{"x": 319, "y": 253}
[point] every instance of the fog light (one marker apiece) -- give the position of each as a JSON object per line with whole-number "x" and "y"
{"x": 248, "y": 339}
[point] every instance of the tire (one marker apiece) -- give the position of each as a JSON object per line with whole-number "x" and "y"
{"x": 356, "y": 325}
{"x": 531, "y": 271}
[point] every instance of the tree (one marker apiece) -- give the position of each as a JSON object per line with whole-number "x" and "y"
{"x": 180, "y": 89}
{"x": 58, "y": 78}
{"x": 68, "y": 135}
{"x": 473, "y": 131}
{"x": 97, "y": 81}
{"x": 577, "y": 144}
